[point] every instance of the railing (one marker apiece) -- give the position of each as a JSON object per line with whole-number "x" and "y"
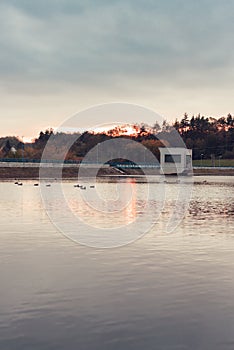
{"x": 213, "y": 167}
{"x": 134, "y": 166}
{"x": 113, "y": 164}
{"x": 22, "y": 160}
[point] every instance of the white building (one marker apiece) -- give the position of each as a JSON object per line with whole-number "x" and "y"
{"x": 175, "y": 160}
{"x": 13, "y": 150}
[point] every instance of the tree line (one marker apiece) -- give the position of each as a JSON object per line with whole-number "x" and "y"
{"x": 207, "y": 137}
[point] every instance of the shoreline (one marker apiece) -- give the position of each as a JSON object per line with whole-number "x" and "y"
{"x": 32, "y": 173}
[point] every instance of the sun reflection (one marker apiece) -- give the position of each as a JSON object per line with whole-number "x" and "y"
{"x": 109, "y": 213}
{"x": 130, "y": 210}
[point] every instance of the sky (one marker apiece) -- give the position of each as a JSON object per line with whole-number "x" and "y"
{"x": 61, "y": 56}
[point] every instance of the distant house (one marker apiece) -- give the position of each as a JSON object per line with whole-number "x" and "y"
{"x": 175, "y": 160}
{"x": 13, "y": 150}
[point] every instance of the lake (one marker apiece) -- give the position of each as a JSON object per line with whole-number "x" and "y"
{"x": 164, "y": 291}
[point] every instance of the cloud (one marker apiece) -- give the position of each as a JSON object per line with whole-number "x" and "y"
{"x": 116, "y": 49}
{"x": 67, "y": 41}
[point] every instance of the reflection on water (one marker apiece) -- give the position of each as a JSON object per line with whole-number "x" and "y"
{"x": 165, "y": 291}
{"x": 202, "y": 209}
{"x": 109, "y": 206}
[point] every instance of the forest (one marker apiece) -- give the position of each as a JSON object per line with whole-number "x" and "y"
{"x": 209, "y": 138}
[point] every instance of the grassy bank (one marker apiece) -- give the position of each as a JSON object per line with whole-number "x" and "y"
{"x": 216, "y": 162}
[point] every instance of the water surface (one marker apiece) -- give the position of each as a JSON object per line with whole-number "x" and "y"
{"x": 164, "y": 291}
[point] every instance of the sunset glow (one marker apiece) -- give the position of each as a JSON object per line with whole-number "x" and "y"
{"x": 121, "y": 130}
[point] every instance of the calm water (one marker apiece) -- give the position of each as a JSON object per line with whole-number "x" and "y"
{"x": 164, "y": 291}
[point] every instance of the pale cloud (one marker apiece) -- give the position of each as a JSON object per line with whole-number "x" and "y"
{"x": 84, "y": 52}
